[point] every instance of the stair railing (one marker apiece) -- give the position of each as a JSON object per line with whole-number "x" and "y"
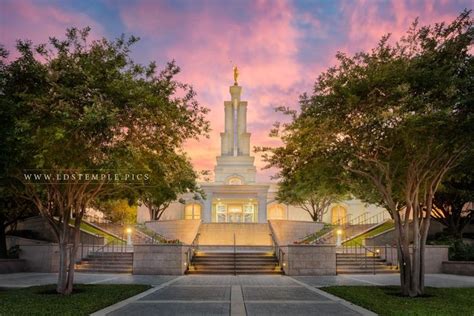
{"x": 279, "y": 253}
{"x": 340, "y": 224}
{"x": 235, "y": 265}
{"x": 359, "y": 249}
{"x": 377, "y": 218}
{"x": 192, "y": 251}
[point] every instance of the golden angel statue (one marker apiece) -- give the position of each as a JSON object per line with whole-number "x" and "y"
{"x": 236, "y": 75}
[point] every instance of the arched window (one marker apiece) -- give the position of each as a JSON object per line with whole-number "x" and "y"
{"x": 338, "y": 215}
{"x": 234, "y": 181}
{"x": 276, "y": 211}
{"x": 192, "y": 211}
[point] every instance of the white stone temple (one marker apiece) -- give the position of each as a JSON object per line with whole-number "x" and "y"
{"x": 235, "y": 196}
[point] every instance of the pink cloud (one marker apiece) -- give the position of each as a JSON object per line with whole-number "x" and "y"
{"x": 367, "y": 24}
{"x": 36, "y": 21}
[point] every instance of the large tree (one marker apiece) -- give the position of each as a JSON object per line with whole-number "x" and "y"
{"x": 394, "y": 121}
{"x": 89, "y": 108}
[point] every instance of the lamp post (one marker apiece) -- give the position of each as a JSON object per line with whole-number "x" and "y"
{"x": 129, "y": 236}
{"x": 339, "y": 237}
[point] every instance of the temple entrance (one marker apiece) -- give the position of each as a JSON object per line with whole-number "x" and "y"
{"x": 234, "y": 211}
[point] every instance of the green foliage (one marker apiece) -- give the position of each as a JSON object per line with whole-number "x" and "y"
{"x": 119, "y": 211}
{"x": 460, "y": 251}
{"x": 86, "y": 299}
{"x": 387, "y": 301}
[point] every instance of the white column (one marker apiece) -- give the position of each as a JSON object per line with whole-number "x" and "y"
{"x": 262, "y": 208}
{"x": 228, "y": 135}
{"x": 207, "y": 211}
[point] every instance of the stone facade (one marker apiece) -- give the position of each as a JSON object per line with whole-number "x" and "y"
{"x": 309, "y": 259}
{"x": 160, "y": 259}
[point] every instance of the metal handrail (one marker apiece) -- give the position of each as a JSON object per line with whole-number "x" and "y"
{"x": 381, "y": 215}
{"x": 279, "y": 253}
{"x": 192, "y": 251}
{"x": 235, "y": 265}
{"x": 362, "y": 249}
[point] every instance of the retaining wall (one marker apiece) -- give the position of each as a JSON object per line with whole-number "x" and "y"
{"x": 286, "y": 232}
{"x": 435, "y": 255}
{"x": 159, "y": 259}
{"x": 12, "y": 266}
{"x": 309, "y": 259}
{"x": 458, "y": 267}
{"x": 183, "y": 229}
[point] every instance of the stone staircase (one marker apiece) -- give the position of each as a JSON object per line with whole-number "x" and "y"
{"x": 238, "y": 263}
{"x": 360, "y": 263}
{"x": 106, "y": 262}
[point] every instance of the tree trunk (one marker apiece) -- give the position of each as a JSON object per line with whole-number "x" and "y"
{"x": 62, "y": 275}
{"x": 73, "y": 252}
{"x": 3, "y": 241}
{"x": 63, "y": 255}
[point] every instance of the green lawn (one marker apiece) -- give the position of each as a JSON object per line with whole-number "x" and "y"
{"x": 386, "y": 300}
{"x": 86, "y": 299}
{"x": 379, "y": 229}
{"x": 91, "y": 229}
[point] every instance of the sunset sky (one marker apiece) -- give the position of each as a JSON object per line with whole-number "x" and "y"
{"x": 279, "y": 46}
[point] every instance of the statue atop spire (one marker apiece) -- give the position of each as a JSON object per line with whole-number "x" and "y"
{"x": 236, "y": 75}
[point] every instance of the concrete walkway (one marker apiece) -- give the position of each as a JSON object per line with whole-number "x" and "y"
{"x": 29, "y": 279}
{"x": 233, "y": 295}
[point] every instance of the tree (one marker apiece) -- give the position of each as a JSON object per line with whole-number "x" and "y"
{"x": 12, "y": 207}
{"x": 88, "y": 109}
{"x": 453, "y": 204}
{"x": 312, "y": 186}
{"x": 118, "y": 210}
{"x": 171, "y": 175}
{"x": 393, "y": 122}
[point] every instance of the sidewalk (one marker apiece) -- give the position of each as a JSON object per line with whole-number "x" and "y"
{"x": 234, "y": 295}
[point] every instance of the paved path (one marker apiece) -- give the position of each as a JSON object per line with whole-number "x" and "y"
{"x": 234, "y": 295}
{"x": 30, "y": 279}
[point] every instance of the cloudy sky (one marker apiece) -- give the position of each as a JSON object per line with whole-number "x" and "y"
{"x": 279, "y": 46}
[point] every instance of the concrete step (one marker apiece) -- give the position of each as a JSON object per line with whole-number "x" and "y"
{"x": 231, "y": 271}
{"x": 103, "y": 270}
{"x": 366, "y": 271}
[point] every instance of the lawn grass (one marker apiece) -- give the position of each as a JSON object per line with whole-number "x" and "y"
{"x": 91, "y": 229}
{"x": 86, "y": 299}
{"x": 386, "y": 300}
{"x": 359, "y": 240}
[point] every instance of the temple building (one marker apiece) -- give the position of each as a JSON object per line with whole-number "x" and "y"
{"x": 235, "y": 196}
